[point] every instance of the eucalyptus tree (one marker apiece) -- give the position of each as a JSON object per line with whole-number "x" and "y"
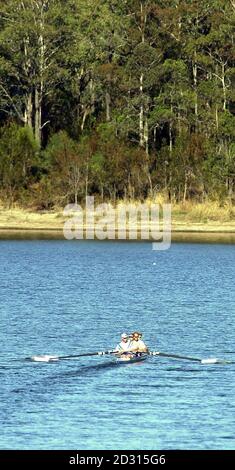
{"x": 31, "y": 38}
{"x": 97, "y": 37}
{"x": 145, "y": 53}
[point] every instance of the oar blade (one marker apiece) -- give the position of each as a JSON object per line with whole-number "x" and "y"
{"x": 215, "y": 360}
{"x": 44, "y": 358}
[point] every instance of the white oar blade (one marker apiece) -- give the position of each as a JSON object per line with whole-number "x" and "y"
{"x": 214, "y": 360}
{"x": 44, "y": 358}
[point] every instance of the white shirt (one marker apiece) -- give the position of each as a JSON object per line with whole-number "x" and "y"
{"x": 123, "y": 346}
{"x": 139, "y": 345}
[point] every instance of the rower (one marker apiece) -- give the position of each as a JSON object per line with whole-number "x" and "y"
{"x": 137, "y": 344}
{"x": 124, "y": 345}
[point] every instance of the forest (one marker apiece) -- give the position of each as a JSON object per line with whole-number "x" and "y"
{"x": 120, "y": 99}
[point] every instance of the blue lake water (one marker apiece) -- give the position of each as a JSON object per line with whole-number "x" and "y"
{"x": 60, "y": 297}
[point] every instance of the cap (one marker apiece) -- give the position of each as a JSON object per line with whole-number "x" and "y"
{"x": 124, "y": 335}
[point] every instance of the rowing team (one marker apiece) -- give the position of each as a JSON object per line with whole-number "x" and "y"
{"x": 131, "y": 345}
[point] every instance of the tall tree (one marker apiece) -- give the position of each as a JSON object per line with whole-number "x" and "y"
{"x": 31, "y": 39}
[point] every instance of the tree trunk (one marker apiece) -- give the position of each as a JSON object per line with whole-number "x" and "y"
{"x": 92, "y": 91}
{"x": 224, "y": 87}
{"x": 149, "y": 180}
{"x": 179, "y": 123}
{"x": 141, "y": 123}
{"x": 165, "y": 176}
{"x": 216, "y": 118}
{"x": 170, "y": 137}
{"x": 146, "y": 136}
{"x": 195, "y": 67}
{"x": 28, "y": 110}
{"x": 230, "y": 188}
{"x": 38, "y": 117}
{"x": 87, "y": 179}
{"x": 78, "y": 81}
{"x": 28, "y": 99}
{"x": 75, "y": 197}
{"x": 107, "y": 103}
{"x": 195, "y": 84}
{"x": 85, "y": 115}
{"x": 141, "y": 117}
{"x": 39, "y": 89}
{"x": 170, "y": 130}
{"x": 155, "y": 135}
{"x": 185, "y": 186}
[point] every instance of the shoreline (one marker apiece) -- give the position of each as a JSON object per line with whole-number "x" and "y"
{"x": 23, "y": 221}
{"x": 212, "y": 230}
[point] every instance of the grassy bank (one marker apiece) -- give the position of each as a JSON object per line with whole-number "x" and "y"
{"x": 187, "y": 217}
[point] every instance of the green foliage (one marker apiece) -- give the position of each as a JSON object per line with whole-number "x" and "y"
{"x": 64, "y": 166}
{"x": 124, "y": 99}
{"x": 227, "y": 126}
{"x": 18, "y": 157}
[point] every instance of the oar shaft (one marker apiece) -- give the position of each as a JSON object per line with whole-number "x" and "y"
{"x": 101, "y": 353}
{"x": 176, "y": 356}
{"x": 211, "y": 360}
{"x": 48, "y": 358}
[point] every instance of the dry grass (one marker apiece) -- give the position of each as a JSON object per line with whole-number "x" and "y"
{"x": 204, "y": 213}
{"x": 189, "y": 216}
{"x": 18, "y": 218}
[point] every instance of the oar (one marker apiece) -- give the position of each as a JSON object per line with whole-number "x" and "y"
{"x": 48, "y": 358}
{"x": 212, "y": 360}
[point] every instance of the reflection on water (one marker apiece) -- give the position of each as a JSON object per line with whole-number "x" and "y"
{"x": 193, "y": 237}
{"x": 31, "y": 235}
{"x": 178, "y": 237}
